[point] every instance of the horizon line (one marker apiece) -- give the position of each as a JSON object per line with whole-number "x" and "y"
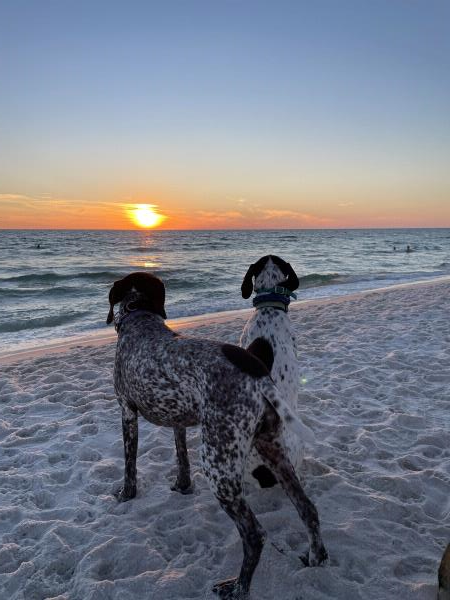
{"x": 144, "y": 229}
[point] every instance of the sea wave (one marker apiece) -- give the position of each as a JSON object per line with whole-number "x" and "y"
{"x": 51, "y": 277}
{"x": 49, "y": 321}
{"x": 317, "y": 279}
{"x": 143, "y": 249}
{"x": 205, "y": 245}
{"x": 37, "y": 292}
{"x": 337, "y": 279}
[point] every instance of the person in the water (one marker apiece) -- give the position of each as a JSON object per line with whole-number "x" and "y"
{"x": 408, "y": 249}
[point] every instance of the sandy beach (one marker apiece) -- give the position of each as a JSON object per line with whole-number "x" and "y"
{"x": 374, "y": 388}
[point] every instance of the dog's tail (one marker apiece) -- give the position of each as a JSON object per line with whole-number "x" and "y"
{"x": 288, "y": 416}
{"x": 262, "y": 349}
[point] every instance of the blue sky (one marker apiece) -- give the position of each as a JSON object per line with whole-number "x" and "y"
{"x": 300, "y": 105}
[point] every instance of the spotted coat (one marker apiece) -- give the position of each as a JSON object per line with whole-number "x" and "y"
{"x": 178, "y": 381}
{"x": 274, "y": 326}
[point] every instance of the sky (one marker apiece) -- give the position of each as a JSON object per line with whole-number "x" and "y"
{"x": 224, "y": 114}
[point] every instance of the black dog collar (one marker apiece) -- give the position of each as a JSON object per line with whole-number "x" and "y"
{"x": 271, "y": 300}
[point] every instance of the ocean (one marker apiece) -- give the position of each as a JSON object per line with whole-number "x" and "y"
{"x": 55, "y": 284}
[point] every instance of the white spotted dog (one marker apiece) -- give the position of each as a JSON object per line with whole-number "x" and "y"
{"x": 178, "y": 381}
{"x": 268, "y": 335}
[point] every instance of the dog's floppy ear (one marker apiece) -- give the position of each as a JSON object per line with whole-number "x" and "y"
{"x": 291, "y": 282}
{"x": 110, "y": 317}
{"x": 154, "y": 291}
{"x": 247, "y": 283}
{"x": 115, "y": 296}
{"x": 150, "y": 286}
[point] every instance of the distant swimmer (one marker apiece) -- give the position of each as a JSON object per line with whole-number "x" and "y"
{"x": 395, "y": 248}
{"x": 38, "y": 246}
{"x": 408, "y": 249}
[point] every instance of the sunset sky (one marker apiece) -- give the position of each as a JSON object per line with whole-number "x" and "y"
{"x": 224, "y": 114}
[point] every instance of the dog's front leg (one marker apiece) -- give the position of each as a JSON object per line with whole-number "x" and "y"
{"x": 183, "y": 483}
{"x": 130, "y": 444}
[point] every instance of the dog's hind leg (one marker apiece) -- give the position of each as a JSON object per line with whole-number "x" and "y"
{"x": 183, "y": 482}
{"x": 224, "y": 450}
{"x": 269, "y": 443}
{"x": 130, "y": 444}
{"x": 252, "y": 536}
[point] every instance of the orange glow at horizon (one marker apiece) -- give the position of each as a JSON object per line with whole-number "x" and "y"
{"x": 144, "y": 215}
{"x": 18, "y": 211}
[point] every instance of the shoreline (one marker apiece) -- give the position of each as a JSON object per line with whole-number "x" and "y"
{"x": 98, "y": 338}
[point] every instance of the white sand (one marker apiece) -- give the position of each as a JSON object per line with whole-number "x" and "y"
{"x": 377, "y": 395}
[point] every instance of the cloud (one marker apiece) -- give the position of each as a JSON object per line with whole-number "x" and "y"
{"x": 22, "y": 203}
{"x": 252, "y": 215}
{"x": 45, "y": 211}
{"x": 218, "y": 215}
{"x": 25, "y": 198}
{"x": 295, "y": 215}
{"x": 12, "y": 197}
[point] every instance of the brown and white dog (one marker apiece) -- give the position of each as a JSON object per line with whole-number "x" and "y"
{"x": 178, "y": 381}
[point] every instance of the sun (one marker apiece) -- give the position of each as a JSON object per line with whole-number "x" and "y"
{"x": 145, "y": 215}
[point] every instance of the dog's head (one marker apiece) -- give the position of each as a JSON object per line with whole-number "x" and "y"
{"x": 140, "y": 291}
{"x": 267, "y": 272}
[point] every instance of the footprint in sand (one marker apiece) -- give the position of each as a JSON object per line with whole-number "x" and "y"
{"x": 61, "y": 477}
{"x": 34, "y": 433}
{"x": 11, "y": 555}
{"x": 89, "y": 455}
{"x": 118, "y": 560}
{"x": 416, "y": 567}
{"x": 44, "y": 500}
{"x": 58, "y": 457}
{"x": 105, "y": 470}
{"x": 91, "y": 429}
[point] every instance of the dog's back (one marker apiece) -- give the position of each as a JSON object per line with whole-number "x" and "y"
{"x": 268, "y": 333}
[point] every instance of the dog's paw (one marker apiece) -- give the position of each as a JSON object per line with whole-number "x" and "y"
{"x": 185, "y": 490}
{"x": 124, "y": 494}
{"x": 230, "y": 589}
